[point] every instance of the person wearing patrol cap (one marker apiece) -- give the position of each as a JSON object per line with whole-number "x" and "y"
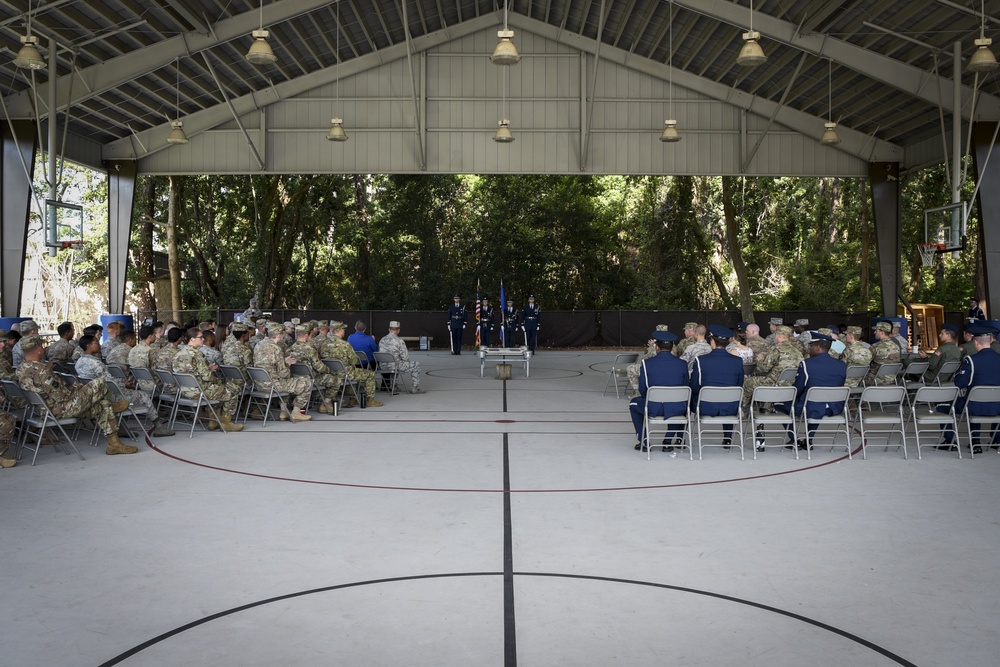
{"x": 509, "y": 323}
{"x": 456, "y": 324}
{"x": 884, "y": 351}
{"x": 718, "y": 368}
{"x": 339, "y": 348}
{"x": 632, "y": 370}
{"x": 394, "y": 345}
{"x": 253, "y": 313}
{"x": 947, "y": 350}
{"x": 819, "y": 370}
{"x": 785, "y": 354}
{"x": 258, "y": 332}
{"x": 802, "y": 334}
{"x": 773, "y": 323}
{"x": 305, "y": 353}
{"x": 236, "y": 351}
{"x": 979, "y": 369}
{"x": 269, "y": 355}
{"x": 531, "y": 322}
{"x": 92, "y": 400}
{"x": 689, "y": 337}
{"x": 855, "y": 353}
{"x": 899, "y": 339}
{"x": 662, "y": 370}
{"x": 26, "y": 328}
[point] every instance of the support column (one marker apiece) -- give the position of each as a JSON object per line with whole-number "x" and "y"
{"x": 888, "y": 230}
{"x": 16, "y": 171}
{"x": 987, "y": 158}
{"x": 121, "y": 195}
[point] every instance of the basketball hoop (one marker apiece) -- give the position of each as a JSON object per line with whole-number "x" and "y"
{"x": 71, "y": 244}
{"x": 928, "y": 251}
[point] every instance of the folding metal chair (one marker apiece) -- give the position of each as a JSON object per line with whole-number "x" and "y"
{"x": 193, "y": 406}
{"x": 233, "y": 373}
{"x": 262, "y": 395}
{"x": 619, "y": 370}
{"x": 39, "y": 419}
{"x": 787, "y": 376}
{"x": 137, "y": 412}
{"x": 947, "y": 372}
{"x": 975, "y": 424}
{"x": 748, "y": 369}
{"x": 337, "y": 366}
{"x": 15, "y": 403}
{"x": 662, "y": 425}
{"x": 912, "y": 377}
{"x": 117, "y": 372}
{"x": 892, "y": 368}
{"x": 716, "y": 425}
{"x": 168, "y": 393}
{"x": 880, "y": 412}
{"x": 385, "y": 365}
{"x": 839, "y": 421}
{"x": 760, "y": 418}
{"x": 858, "y": 373}
{"x": 933, "y": 407}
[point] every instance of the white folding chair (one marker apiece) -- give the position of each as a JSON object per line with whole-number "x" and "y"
{"x": 168, "y": 393}
{"x": 666, "y": 426}
{"x": 386, "y": 369}
{"x": 760, "y": 418}
{"x": 787, "y": 376}
{"x": 40, "y": 418}
{"x": 263, "y": 393}
{"x": 977, "y": 425}
{"x": 912, "y": 377}
{"x": 619, "y": 370}
{"x": 891, "y": 368}
{"x": 137, "y": 412}
{"x": 946, "y": 374}
{"x": 840, "y": 421}
{"x": 880, "y": 412}
{"x": 337, "y": 366}
{"x": 299, "y": 369}
{"x": 706, "y": 424}
{"x": 193, "y": 406}
{"x": 117, "y": 372}
{"x": 931, "y": 409}
{"x": 856, "y": 372}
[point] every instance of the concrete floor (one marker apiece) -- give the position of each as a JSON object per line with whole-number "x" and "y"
{"x": 385, "y": 537}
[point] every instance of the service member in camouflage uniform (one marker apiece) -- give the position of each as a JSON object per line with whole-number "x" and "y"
{"x": 6, "y": 370}
{"x": 252, "y": 314}
{"x": 632, "y": 370}
{"x": 697, "y": 347}
{"x": 269, "y": 356}
{"x": 343, "y": 350}
{"x": 260, "y": 333}
{"x": 7, "y": 429}
{"x": 189, "y": 360}
{"x": 305, "y": 353}
{"x": 756, "y": 343}
{"x": 884, "y": 351}
{"x": 64, "y": 346}
{"x": 688, "y": 339}
{"x": 235, "y": 351}
{"x": 785, "y": 354}
{"x": 143, "y": 356}
{"x": 90, "y": 401}
{"x": 856, "y": 353}
{"x": 165, "y": 356}
{"x": 774, "y": 323}
{"x": 119, "y": 355}
{"x": 947, "y": 351}
{"x": 394, "y": 345}
{"x": 208, "y": 350}
{"x": 27, "y": 328}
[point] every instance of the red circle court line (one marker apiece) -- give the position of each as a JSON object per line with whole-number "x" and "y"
{"x": 379, "y": 487}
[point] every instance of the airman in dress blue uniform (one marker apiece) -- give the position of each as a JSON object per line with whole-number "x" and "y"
{"x": 530, "y": 322}
{"x": 509, "y": 323}
{"x": 485, "y": 322}
{"x": 979, "y": 369}
{"x": 662, "y": 370}
{"x": 718, "y": 368}
{"x": 456, "y": 324}
{"x": 818, "y": 370}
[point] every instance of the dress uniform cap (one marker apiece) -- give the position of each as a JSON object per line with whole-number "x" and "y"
{"x": 274, "y": 328}
{"x": 394, "y": 325}
{"x": 29, "y": 343}
{"x": 951, "y": 328}
{"x": 719, "y": 331}
{"x": 802, "y": 322}
{"x": 662, "y": 327}
{"x": 664, "y": 336}
{"x": 818, "y": 335}
{"x": 834, "y": 329}
{"x": 977, "y": 329}
{"x": 855, "y": 331}
{"x": 995, "y": 324}
{"x": 456, "y": 297}
{"x": 777, "y": 321}
{"x": 784, "y": 329}
{"x": 743, "y": 325}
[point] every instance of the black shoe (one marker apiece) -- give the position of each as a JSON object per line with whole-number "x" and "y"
{"x": 668, "y": 448}
{"x": 727, "y": 443}
{"x": 637, "y": 446}
{"x": 947, "y": 448}
{"x": 789, "y": 444}
{"x": 977, "y": 450}
{"x": 759, "y": 446}
{"x": 802, "y": 443}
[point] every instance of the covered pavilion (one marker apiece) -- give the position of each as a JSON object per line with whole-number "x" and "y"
{"x": 165, "y": 87}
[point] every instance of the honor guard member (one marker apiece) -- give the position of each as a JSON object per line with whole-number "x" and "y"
{"x": 394, "y": 345}
{"x": 485, "y": 322}
{"x": 947, "y": 351}
{"x": 855, "y": 353}
{"x": 884, "y": 351}
{"x": 819, "y": 370}
{"x": 530, "y": 322}
{"x": 662, "y": 370}
{"x": 981, "y": 368}
{"x": 509, "y": 323}
{"x": 456, "y": 324}
{"x": 88, "y": 401}
{"x": 718, "y": 368}
{"x": 975, "y": 312}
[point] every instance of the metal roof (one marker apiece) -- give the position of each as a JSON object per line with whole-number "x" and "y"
{"x": 119, "y": 60}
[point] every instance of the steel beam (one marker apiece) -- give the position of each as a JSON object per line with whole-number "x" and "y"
{"x": 987, "y": 158}
{"x": 121, "y": 196}
{"x": 19, "y": 140}
{"x": 888, "y": 230}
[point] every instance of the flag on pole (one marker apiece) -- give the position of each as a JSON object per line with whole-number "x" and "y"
{"x": 479, "y": 306}
{"x": 503, "y": 316}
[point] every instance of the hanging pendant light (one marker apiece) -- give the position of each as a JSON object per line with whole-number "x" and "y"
{"x": 503, "y": 135}
{"x": 337, "y": 132}
{"x": 177, "y": 135}
{"x": 28, "y": 56}
{"x": 751, "y": 54}
{"x": 830, "y": 136}
{"x": 982, "y": 59}
{"x": 670, "y": 134}
{"x": 505, "y": 52}
{"x": 260, "y": 52}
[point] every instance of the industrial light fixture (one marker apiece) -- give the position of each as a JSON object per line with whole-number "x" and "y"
{"x": 336, "y": 132}
{"x": 177, "y": 135}
{"x": 260, "y": 52}
{"x": 28, "y": 56}
{"x": 830, "y": 136}
{"x": 505, "y": 52}
{"x": 503, "y": 135}
{"x": 751, "y": 54}
{"x": 982, "y": 59}
{"x": 670, "y": 134}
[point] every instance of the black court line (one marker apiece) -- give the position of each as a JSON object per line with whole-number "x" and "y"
{"x": 509, "y": 626}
